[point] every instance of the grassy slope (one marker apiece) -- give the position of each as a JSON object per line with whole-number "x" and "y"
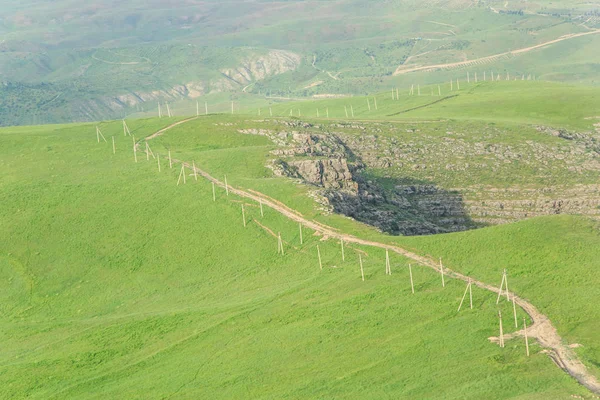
{"x": 548, "y": 257}
{"x": 542, "y": 245}
{"x": 551, "y": 260}
{"x": 358, "y": 42}
{"x": 119, "y": 283}
{"x": 524, "y": 102}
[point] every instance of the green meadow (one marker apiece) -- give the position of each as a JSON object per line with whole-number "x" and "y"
{"x": 119, "y": 283}
{"x": 516, "y": 102}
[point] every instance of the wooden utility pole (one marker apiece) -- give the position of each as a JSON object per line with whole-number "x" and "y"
{"x": 206, "y": 108}
{"x": 471, "y": 293}
{"x": 319, "y": 254}
{"x": 468, "y": 77}
{"x": 100, "y": 135}
{"x": 226, "y": 186}
{"x": 501, "y": 331}
{"x": 214, "y": 193}
{"x": 261, "y": 208}
{"x": 526, "y": 338}
{"x": 375, "y": 101}
{"x": 342, "y": 244}
{"x": 464, "y": 296}
{"x": 362, "y": 272}
{"x": 300, "y": 228}
{"x": 515, "y": 311}
{"x": 134, "y": 149}
{"x": 159, "y": 111}
{"x": 368, "y": 104}
{"x": 126, "y": 130}
{"x": 388, "y": 267}
{"x": 243, "y": 215}
{"x": 346, "y": 111}
{"x": 442, "y": 272}
{"x": 158, "y": 161}
{"x": 397, "y": 96}
{"x": 195, "y": 172}
{"x": 181, "y": 174}
{"x": 113, "y": 143}
{"x": 197, "y": 108}
{"x": 179, "y": 177}
{"x": 412, "y": 285}
{"x": 504, "y": 283}
{"x": 439, "y": 91}
{"x": 169, "y": 110}
{"x": 419, "y": 89}
{"x": 280, "y": 245}
{"x": 170, "y": 161}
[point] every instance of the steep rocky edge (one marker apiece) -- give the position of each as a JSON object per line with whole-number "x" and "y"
{"x": 250, "y": 69}
{"x": 386, "y": 182}
{"x": 343, "y": 186}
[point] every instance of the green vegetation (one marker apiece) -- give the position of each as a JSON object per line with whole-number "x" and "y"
{"x": 517, "y": 102}
{"x": 117, "y": 282}
{"x": 108, "y": 60}
{"x": 551, "y": 260}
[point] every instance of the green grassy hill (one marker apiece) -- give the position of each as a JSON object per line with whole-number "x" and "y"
{"x": 61, "y": 61}
{"x": 117, "y": 282}
{"x": 518, "y": 102}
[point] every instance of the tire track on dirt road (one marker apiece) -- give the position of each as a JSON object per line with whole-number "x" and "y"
{"x": 401, "y": 71}
{"x": 541, "y": 329}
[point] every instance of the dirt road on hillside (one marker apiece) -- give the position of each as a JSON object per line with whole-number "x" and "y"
{"x": 541, "y": 329}
{"x": 403, "y": 69}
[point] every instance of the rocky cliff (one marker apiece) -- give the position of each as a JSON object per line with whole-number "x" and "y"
{"x": 415, "y": 180}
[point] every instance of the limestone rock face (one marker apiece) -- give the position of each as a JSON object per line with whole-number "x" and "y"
{"x": 421, "y": 181}
{"x": 327, "y": 173}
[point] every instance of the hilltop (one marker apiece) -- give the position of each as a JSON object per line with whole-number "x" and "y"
{"x": 61, "y": 63}
{"x": 118, "y": 273}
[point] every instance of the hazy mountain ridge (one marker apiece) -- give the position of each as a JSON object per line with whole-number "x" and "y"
{"x": 119, "y": 54}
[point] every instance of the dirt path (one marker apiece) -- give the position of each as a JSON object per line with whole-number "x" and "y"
{"x": 541, "y": 329}
{"x": 402, "y": 69}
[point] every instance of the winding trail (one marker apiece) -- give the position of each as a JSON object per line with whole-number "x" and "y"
{"x": 403, "y": 69}
{"x": 541, "y": 329}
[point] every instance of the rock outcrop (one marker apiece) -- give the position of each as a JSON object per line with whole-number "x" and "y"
{"x": 327, "y": 173}
{"x": 405, "y": 196}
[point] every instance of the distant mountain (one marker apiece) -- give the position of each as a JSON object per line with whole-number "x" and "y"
{"x": 108, "y": 59}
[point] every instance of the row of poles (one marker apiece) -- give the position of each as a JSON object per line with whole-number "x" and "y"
{"x": 170, "y": 114}
{"x": 372, "y": 103}
{"x": 502, "y": 291}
